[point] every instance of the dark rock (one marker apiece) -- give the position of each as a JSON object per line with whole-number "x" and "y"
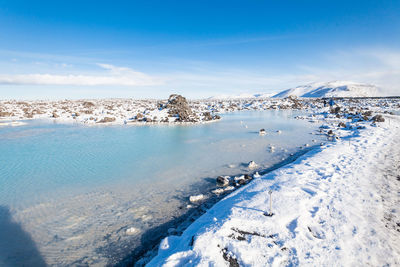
{"x": 222, "y": 181}
{"x": 367, "y": 113}
{"x": 242, "y": 181}
{"x": 207, "y": 116}
{"x": 342, "y": 124}
{"x": 378, "y": 118}
{"x": 335, "y": 110}
{"x": 139, "y": 116}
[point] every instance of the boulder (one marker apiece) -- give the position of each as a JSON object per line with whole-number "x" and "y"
{"x": 335, "y": 110}
{"x": 223, "y": 180}
{"x": 378, "y": 118}
{"x": 179, "y": 107}
{"x": 252, "y": 165}
{"x": 139, "y": 116}
{"x": 207, "y": 116}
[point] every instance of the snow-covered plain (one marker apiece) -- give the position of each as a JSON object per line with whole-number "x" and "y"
{"x": 337, "y": 205}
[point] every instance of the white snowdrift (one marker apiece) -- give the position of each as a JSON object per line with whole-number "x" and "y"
{"x": 332, "y": 89}
{"x": 331, "y": 208}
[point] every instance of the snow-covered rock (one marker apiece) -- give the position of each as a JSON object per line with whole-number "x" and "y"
{"x": 196, "y": 198}
{"x": 252, "y": 165}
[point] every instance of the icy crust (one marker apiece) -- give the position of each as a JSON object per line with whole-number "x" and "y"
{"x": 176, "y": 109}
{"x": 335, "y": 206}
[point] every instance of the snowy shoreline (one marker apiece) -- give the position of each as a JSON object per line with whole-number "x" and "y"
{"x": 138, "y": 112}
{"x": 325, "y": 211}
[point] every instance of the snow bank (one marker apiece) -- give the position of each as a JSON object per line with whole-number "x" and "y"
{"x": 335, "y": 206}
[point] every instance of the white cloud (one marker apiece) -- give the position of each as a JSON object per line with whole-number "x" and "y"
{"x": 113, "y": 76}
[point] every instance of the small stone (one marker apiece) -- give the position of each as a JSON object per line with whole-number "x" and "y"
{"x": 252, "y": 165}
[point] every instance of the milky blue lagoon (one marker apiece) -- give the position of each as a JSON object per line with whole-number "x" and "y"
{"x": 76, "y": 189}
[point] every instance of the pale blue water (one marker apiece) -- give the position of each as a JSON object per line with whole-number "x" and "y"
{"x": 69, "y": 185}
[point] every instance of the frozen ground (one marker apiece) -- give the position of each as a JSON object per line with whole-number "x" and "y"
{"x": 335, "y": 206}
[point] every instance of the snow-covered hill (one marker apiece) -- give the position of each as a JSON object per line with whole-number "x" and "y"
{"x": 332, "y": 89}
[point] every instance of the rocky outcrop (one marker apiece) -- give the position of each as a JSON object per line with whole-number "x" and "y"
{"x": 179, "y": 108}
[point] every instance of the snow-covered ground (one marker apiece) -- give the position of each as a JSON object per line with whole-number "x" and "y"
{"x": 338, "y": 205}
{"x": 129, "y": 111}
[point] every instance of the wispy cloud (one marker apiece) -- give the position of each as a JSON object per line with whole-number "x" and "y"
{"x": 112, "y": 76}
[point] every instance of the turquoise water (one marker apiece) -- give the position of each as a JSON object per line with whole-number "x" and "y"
{"x": 70, "y": 185}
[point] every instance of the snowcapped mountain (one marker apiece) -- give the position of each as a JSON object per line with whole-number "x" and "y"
{"x": 243, "y": 95}
{"x": 332, "y": 89}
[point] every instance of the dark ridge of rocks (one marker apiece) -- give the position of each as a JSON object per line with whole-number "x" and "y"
{"x": 6, "y": 114}
{"x": 87, "y": 104}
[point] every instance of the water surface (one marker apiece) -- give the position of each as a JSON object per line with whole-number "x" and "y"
{"x": 76, "y": 189}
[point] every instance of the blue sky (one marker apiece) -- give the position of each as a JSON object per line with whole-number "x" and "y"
{"x": 142, "y": 49}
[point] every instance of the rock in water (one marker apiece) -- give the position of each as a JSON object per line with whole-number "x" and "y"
{"x": 256, "y": 175}
{"x": 252, "y": 165}
{"x": 223, "y": 180}
{"x": 197, "y": 198}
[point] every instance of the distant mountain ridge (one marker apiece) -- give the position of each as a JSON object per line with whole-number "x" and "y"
{"x": 332, "y": 89}
{"x": 242, "y": 96}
